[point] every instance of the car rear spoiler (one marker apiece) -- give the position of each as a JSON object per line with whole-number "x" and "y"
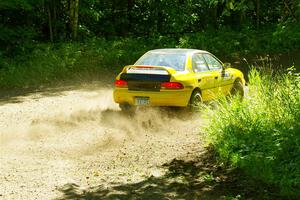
{"x": 140, "y": 69}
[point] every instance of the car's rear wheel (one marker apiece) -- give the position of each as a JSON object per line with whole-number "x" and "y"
{"x": 127, "y": 108}
{"x": 237, "y": 89}
{"x": 195, "y": 101}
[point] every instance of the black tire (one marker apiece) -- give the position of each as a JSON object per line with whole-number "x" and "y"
{"x": 237, "y": 89}
{"x": 195, "y": 101}
{"x": 126, "y": 108}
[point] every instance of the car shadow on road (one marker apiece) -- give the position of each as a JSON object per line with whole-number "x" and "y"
{"x": 199, "y": 178}
{"x": 18, "y": 95}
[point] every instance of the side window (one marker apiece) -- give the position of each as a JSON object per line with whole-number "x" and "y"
{"x": 199, "y": 64}
{"x": 213, "y": 64}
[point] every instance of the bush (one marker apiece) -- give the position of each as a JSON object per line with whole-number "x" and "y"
{"x": 261, "y": 134}
{"x": 286, "y": 36}
{"x": 92, "y": 59}
{"x": 35, "y": 64}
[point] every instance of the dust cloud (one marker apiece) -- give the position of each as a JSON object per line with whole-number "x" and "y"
{"x": 50, "y": 138}
{"x": 84, "y": 117}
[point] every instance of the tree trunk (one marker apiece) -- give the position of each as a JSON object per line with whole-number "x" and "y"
{"x": 74, "y": 4}
{"x": 257, "y": 13}
{"x": 130, "y": 4}
{"x": 71, "y": 17}
{"x": 158, "y": 16}
{"x": 50, "y": 23}
{"x": 288, "y": 7}
{"x": 54, "y": 19}
{"x": 215, "y": 22}
{"x": 75, "y": 19}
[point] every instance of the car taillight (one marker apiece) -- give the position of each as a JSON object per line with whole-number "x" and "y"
{"x": 121, "y": 83}
{"x": 171, "y": 85}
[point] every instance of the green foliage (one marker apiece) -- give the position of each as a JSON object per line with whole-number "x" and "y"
{"x": 46, "y": 63}
{"x": 17, "y": 4}
{"x": 51, "y": 20}
{"x": 225, "y": 27}
{"x": 91, "y": 59}
{"x": 261, "y": 134}
{"x": 229, "y": 42}
{"x": 286, "y": 36}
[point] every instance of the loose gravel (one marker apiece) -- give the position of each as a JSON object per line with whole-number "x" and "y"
{"x": 79, "y": 136}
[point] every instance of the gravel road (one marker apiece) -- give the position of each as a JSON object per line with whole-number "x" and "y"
{"x": 79, "y": 136}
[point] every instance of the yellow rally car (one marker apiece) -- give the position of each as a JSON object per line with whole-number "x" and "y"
{"x": 176, "y": 77}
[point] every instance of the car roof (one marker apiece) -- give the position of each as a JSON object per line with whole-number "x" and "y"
{"x": 177, "y": 50}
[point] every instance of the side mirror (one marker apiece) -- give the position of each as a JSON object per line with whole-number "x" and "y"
{"x": 226, "y": 65}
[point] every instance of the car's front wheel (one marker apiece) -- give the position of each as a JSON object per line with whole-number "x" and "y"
{"x": 195, "y": 101}
{"x": 237, "y": 89}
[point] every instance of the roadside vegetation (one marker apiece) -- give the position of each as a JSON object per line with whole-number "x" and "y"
{"x": 94, "y": 58}
{"x": 45, "y": 42}
{"x": 261, "y": 134}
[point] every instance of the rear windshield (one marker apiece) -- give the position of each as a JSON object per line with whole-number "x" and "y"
{"x": 173, "y": 60}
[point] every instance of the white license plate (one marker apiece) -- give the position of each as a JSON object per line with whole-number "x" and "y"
{"x": 142, "y": 101}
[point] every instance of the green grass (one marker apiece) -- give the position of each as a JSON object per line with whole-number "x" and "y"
{"x": 261, "y": 134}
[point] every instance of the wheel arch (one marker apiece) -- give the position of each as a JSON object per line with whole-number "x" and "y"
{"x": 237, "y": 85}
{"x": 196, "y": 89}
{"x": 192, "y": 105}
{"x": 238, "y": 79}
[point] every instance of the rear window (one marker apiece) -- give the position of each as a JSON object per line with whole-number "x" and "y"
{"x": 173, "y": 60}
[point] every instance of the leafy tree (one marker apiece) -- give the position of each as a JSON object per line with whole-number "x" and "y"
{"x": 27, "y": 21}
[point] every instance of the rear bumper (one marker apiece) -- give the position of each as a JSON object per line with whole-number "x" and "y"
{"x": 160, "y": 98}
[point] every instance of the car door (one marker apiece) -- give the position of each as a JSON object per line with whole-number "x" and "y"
{"x": 216, "y": 68}
{"x": 204, "y": 76}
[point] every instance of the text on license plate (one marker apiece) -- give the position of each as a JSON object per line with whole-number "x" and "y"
{"x": 140, "y": 101}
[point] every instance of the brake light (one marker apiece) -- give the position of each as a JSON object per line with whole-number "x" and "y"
{"x": 171, "y": 85}
{"x": 121, "y": 83}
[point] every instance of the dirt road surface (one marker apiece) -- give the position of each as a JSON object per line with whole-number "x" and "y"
{"x": 63, "y": 140}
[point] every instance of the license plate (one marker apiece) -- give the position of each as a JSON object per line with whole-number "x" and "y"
{"x": 141, "y": 101}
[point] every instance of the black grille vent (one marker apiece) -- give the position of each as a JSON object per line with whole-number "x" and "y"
{"x": 145, "y": 82}
{"x": 143, "y": 86}
{"x": 145, "y": 77}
